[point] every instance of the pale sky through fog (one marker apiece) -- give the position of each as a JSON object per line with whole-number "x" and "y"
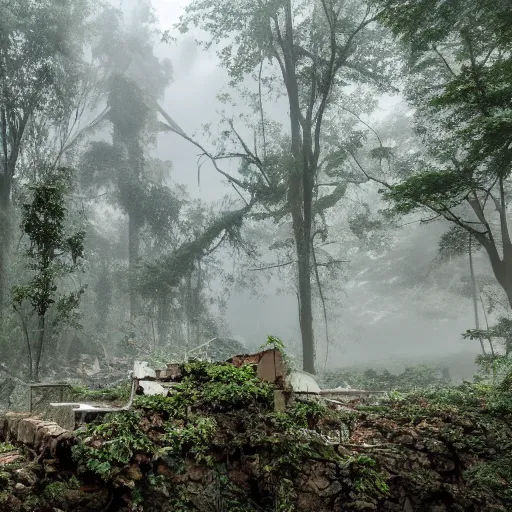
{"x": 191, "y": 101}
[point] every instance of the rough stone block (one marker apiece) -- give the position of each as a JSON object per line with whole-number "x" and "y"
{"x": 271, "y": 366}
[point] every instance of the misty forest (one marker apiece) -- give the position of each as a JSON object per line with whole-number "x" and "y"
{"x": 199, "y": 185}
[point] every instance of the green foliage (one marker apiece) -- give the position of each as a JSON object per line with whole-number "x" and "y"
{"x": 495, "y": 370}
{"x": 115, "y": 441}
{"x": 6, "y": 447}
{"x": 466, "y": 395}
{"x": 223, "y": 386}
{"x": 454, "y": 243}
{"x": 330, "y": 200}
{"x": 363, "y": 226}
{"x": 52, "y": 256}
{"x": 458, "y": 79}
{"x": 43, "y": 59}
{"x": 204, "y": 385}
{"x": 183, "y": 428}
{"x": 468, "y": 424}
{"x": 194, "y": 439}
{"x": 467, "y": 398}
{"x": 502, "y": 331}
{"x": 273, "y": 342}
{"x": 171, "y": 268}
{"x": 174, "y": 406}
{"x": 434, "y": 189}
{"x": 369, "y": 483}
{"x": 276, "y": 343}
{"x": 57, "y": 491}
{"x": 414, "y": 377}
{"x": 495, "y": 475}
{"x": 305, "y": 414}
{"x": 466, "y": 418}
{"x": 118, "y": 393}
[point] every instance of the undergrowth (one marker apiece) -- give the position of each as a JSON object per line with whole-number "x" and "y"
{"x": 119, "y": 393}
{"x": 219, "y": 419}
{"x": 216, "y": 414}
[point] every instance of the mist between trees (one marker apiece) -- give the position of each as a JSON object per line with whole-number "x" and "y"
{"x": 363, "y": 151}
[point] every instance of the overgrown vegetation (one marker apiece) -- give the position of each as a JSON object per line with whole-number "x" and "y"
{"x": 116, "y": 261}
{"x": 216, "y": 443}
{"x": 53, "y": 255}
{"x": 214, "y": 416}
{"x": 412, "y": 377}
{"x": 120, "y": 393}
{"x": 6, "y": 447}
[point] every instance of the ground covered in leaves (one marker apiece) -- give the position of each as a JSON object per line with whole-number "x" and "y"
{"x": 216, "y": 444}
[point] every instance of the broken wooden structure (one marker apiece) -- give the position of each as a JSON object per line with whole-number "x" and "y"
{"x": 55, "y": 426}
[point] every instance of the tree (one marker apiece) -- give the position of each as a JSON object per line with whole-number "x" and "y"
{"x": 53, "y": 255}
{"x": 134, "y": 78}
{"x": 501, "y": 330}
{"x": 181, "y": 272}
{"x": 313, "y": 51}
{"x": 459, "y": 76}
{"x": 41, "y": 69}
{"x": 169, "y": 269}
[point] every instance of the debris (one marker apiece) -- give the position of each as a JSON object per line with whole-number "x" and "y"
{"x": 141, "y": 370}
{"x": 302, "y": 382}
{"x": 152, "y": 388}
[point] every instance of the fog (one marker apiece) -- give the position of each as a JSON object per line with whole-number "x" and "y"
{"x": 403, "y": 334}
{"x": 321, "y": 205}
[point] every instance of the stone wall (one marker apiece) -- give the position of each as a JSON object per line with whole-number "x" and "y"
{"x": 43, "y": 437}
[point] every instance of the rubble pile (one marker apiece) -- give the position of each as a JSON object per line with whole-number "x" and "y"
{"x": 234, "y": 437}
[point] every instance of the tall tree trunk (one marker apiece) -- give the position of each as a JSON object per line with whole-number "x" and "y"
{"x": 163, "y": 320}
{"x": 5, "y": 235}
{"x": 5, "y": 243}
{"x": 300, "y": 197}
{"x": 136, "y": 169}
{"x": 5, "y": 193}
{"x": 508, "y": 291}
{"x": 133, "y": 256}
{"x": 10, "y": 151}
{"x": 189, "y": 309}
{"x": 506, "y": 242}
{"x": 474, "y": 289}
{"x": 128, "y": 180}
{"x": 39, "y": 351}
{"x": 306, "y": 311}
{"x": 27, "y": 341}
{"x": 103, "y": 291}
{"x": 502, "y": 268}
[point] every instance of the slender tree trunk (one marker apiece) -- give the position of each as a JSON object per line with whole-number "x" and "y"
{"x": 103, "y": 292}
{"x": 474, "y": 289}
{"x": 508, "y": 290}
{"x": 502, "y": 271}
{"x": 502, "y": 267}
{"x": 39, "y": 351}
{"x": 133, "y": 256}
{"x": 300, "y": 198}
{"x": 5, "y": 193}
{"x": 135, "y": 155}
{"x": 131, "y": 165}
{"x": 5, "y": 240}
{"x": 27, "y": 341}
{"x": 163, "y": 320}
{"x": 306, "y": 311}
{"x": 189, "y": 308}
